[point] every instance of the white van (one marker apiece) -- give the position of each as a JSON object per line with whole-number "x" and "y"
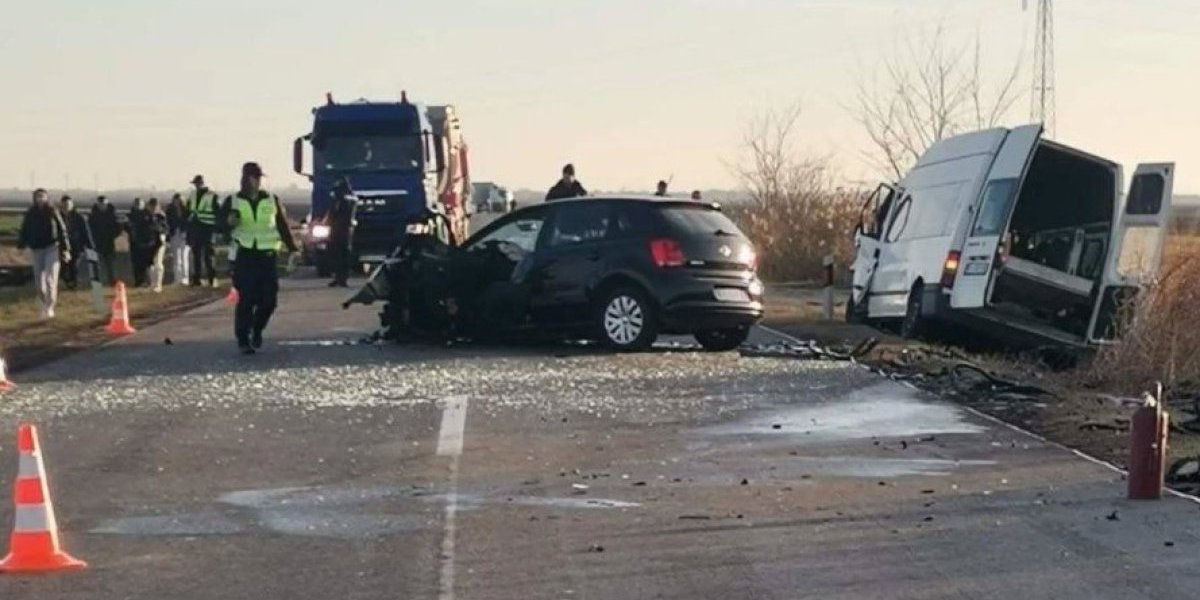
{"x": 1012, "y": 234}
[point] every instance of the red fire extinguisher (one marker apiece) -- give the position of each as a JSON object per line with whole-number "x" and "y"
{"x": 1148, "y": 448}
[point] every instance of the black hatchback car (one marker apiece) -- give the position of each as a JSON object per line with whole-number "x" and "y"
{"x": 620, "y": 270}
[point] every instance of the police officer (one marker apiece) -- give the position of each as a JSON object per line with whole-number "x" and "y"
{"x": 259, "y": 230}
{"x": 341, "y": 231}
{"x": 202, "y": 223}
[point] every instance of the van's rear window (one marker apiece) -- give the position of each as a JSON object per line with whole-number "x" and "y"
{"x": 699, "y": 219}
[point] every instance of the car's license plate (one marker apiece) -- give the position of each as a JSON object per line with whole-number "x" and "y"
{"x": 731, "y": 295}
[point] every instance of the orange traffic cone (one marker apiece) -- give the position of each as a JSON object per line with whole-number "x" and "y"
{"x": 34, "y": 544}
{"x": 5, "y": 384}
{"x": 232, "y": 297}
{"x": 119, "y": 323}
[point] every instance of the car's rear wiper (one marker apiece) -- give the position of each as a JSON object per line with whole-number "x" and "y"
{"x": 723, "y": 233}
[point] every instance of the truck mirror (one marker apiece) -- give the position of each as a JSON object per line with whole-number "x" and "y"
{"x": 298, "y": 156}
{"x": 425, "y": 137}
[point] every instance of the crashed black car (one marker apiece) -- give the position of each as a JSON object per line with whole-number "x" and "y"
{"x": 617, "y": 270}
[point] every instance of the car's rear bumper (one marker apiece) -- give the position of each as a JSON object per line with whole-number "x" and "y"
{"x": 690, "y": 317}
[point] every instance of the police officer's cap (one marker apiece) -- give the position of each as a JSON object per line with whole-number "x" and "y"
{"x": 251, "y": 169}
{"x": 198, "y": 180}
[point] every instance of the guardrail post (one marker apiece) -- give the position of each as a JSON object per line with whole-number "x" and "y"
{"x": 1148, "y": 431}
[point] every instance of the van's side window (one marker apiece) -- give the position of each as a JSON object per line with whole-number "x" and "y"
{"x": 899, "y": 219}
{"x": 1146, "y": 195}
{"x": 997, "y": 203}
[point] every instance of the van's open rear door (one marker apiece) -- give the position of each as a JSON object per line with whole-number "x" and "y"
{"x": 988, "y": 227}
{"x": 1136, "y": 246}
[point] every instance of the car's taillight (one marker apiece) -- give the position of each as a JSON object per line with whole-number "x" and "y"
{"x": 950, "y": 269}
{"x": 666, "y": 252}
{"x": 748, "y": 257}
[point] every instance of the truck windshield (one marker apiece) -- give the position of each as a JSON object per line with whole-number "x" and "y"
{"x": 372, "y": 153}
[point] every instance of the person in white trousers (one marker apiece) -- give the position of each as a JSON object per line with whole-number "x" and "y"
{"x": 43, "y": 233}
{"x": 181, "y": 252}
{"x": 156, "y": 251}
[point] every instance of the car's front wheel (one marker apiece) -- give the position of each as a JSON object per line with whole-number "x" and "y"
{"x": 721, "y": 340}
{"x": 626, "y": 320}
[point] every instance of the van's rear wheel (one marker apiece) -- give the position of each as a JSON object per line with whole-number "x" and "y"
{"x": 913, "y": 326}
{"x": 853, "y": 313}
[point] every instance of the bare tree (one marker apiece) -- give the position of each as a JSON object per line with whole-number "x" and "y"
{"x": 796, "y": 214}
{"x": 928, "y": 89}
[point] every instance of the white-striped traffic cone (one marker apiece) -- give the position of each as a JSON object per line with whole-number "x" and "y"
{"x": 34, "y": 546}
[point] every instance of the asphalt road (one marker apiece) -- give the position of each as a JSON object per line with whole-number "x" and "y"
{"x": 327, "y": 468}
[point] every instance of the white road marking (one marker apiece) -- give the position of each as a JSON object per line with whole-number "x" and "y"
{"x": 450, "y": 443}
{"x": 454, "y": 420}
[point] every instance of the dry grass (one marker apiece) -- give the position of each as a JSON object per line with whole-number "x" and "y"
{"x": 794, "y": 231}
{"x": 1160, "y": 342}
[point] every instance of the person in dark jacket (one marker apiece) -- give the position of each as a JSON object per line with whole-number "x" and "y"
{"x": 567, "y": 187}
{"x": 259, "y": 229}
{"x": 155, "y": 243}
{"x": 106, "y": 228}
{"x": 660, "y": 190}
{"x": 78, "y": 240}
{"x": 177, "y": 225}
{"x": 136, "y": 225}
{"x": 340, "y": 220}
{"x": 43, "y": 233}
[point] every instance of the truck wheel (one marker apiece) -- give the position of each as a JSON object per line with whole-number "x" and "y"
{"x": 625, "y": 320}
{"x": 913, "y": 326}
{"x": 321, "y": 259}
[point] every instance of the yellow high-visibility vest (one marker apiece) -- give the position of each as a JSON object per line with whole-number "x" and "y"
{"x": 204, "y": 208}
{"x": 256, "y": 226}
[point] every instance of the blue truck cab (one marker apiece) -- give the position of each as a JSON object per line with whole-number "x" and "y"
{"x": 388, "y": 153}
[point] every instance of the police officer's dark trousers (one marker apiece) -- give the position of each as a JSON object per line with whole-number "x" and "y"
{"x": 200, "y": 239}
{"x": 339, "y": 257}
{"x": 257, "y": 282}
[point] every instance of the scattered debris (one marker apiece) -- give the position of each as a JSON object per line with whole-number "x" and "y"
{"x": 694, "y": 517}
{"x": 1113, "y": 516}
{"x": 595, "y": 548}
{"x": 745, "y": 482}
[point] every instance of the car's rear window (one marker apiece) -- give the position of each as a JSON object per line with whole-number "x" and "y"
{"x": 699, "y": 220}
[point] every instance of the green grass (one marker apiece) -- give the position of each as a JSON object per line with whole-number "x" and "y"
{"x": 26, "y": 339}
{"x": 10, "y": 223}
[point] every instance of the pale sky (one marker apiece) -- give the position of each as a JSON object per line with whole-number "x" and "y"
{"x": 152, "y": 91}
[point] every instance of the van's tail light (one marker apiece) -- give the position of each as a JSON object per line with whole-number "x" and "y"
{"x": 666, "y": 252}
{"x": 950, "y": 269}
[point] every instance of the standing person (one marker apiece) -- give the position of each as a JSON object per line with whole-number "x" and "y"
{"x": 78, "y": 241}
{"x": 177, "y": 221}
{"x": 156, "y": 243}
{"x": 202, "y": 223}
{"x": 696, "y": 196}
{"x": 567, "y": 186}
{"x": 341, "y": 231}
{"x": 43, "y": 233}
{"x": 106, "y": 228}
{"x": 660, "y": 189}
{"x": 139, "y": 237}
{"x": 259, "y": 228}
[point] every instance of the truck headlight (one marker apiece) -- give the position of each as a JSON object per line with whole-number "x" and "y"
{"x": 320, "y": 232}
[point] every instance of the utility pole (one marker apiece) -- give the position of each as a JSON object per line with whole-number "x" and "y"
{"x": 1043, "y": 100}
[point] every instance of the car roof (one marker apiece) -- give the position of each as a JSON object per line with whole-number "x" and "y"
{"x": 640, "y": 198}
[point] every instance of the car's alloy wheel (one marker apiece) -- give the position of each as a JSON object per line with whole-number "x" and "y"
{"x": 626, "y": 320}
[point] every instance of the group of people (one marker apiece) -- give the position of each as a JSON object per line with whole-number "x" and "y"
{"x": 569, "y": 187}
{"x": 61, "y": 240}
